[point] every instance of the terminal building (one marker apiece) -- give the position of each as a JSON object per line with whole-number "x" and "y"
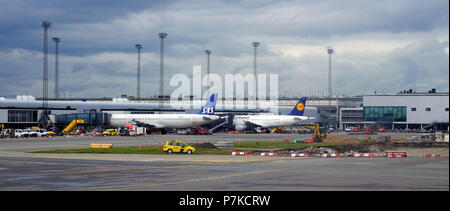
{"x": 26, "y": 111}
{"x": 406, "y": 110}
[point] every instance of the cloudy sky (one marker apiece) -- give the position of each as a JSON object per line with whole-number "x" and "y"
{"x": 383, "y": 45}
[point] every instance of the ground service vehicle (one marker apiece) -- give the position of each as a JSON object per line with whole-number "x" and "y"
{"x": 39, "y": 133}
{"x": 178, "y": 146}
{"x": 111, "y": 132}
{"x": 318, "y": 133}
{"x": 18, "y": 133}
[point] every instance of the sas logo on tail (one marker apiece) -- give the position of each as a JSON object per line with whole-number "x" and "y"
{"x": 300, "y": 106}
{"x": 208, "y": 110}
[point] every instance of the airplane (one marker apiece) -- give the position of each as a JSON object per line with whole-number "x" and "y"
{"x": 245, "y": 122}
{"x": 176, "y": 121}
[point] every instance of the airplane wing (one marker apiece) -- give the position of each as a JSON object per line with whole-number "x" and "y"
{"x": 207, "y": 118}
{"x": 143, "y": 124}
{"x": 303, "y": 118}
{"x": 255, "y": 124}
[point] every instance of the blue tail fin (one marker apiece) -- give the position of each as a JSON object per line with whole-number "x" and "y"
{"x": 299, "y": 108}
{"x": 210, "y": 107}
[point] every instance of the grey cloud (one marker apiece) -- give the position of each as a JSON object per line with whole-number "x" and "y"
{"x": 98, "y": 28}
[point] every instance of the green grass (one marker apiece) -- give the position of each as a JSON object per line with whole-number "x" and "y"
{"x": 200, "y": 151}
{"x": 129, "y": 150}
{"x": 281, "y": 144}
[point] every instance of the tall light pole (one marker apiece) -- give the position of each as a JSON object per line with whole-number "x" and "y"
{"x": 161, "y": 72}
{"x": 45, "y": 25}
{"x": 208, "y": 54}
{"x": 138, "y": 91}
{"x": 56, "y": 40}
{"x": 255, "y": 46}
{"x": 330, "y": 51}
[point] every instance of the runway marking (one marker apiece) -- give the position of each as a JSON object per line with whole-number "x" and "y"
{"x": 372, "y": 174}
{"x": 97, "y": 170}
{"x": 113, "y": 169}
{"x": 125, "y": 187}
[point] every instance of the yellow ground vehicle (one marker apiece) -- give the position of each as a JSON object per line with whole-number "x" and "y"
{"x": 178, "y": 146}
{"x": 318, "y": 134}
{"x": 110, "y": 132}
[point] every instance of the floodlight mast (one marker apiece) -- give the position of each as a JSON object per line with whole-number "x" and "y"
{"x": 208, "y": 71}
{"x": 44, "y": 118}
{"x": 255, "y": 46}
{"x": 330, "y": 51}
{"x": 161, "y": 73}
{"x": 56, "y": 40}
{"x": 138, "y": 91}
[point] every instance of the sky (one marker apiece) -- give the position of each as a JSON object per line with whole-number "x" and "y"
{"x": 384, "y": 46}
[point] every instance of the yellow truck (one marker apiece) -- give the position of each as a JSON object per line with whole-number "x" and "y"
{"x": 178, "y": 146}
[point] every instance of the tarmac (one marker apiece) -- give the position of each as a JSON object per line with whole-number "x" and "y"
{"x": 21, "y": 170}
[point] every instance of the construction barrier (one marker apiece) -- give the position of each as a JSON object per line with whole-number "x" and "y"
{"x": 431, "y": 155}
{"x": 332, "y": 155}
{"x": 300, "y": 155}
{"x": 239, "y": 153}
{"x": 335, "y": 155}
{"x": 365, "y": 155}
{"x": 396, "y": 154}
{"x": 100, "y": 146}
{"x": 269, "y": 154}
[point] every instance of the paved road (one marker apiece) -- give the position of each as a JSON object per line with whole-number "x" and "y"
{"x": 20, "y": 170}
{"x": 265, "y": 175}
{"x": 36, "y": 144}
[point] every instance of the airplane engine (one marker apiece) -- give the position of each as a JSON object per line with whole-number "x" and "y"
{"x": 240, "y": 127}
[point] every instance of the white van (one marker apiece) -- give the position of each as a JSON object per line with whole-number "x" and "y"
{"x": 39, "y": 133}
{"x": 19, "y": 133}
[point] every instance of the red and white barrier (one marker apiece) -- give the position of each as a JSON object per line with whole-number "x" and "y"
{"x": 239, "y": 153}
{"x": 396, "y": 154}
{"x": 300, "y": 155}
{"x": 431, "y": 155}
{"x": 332, "y": 155}
{"x": 269, "y": 154}
{"x": 363, "y": 155}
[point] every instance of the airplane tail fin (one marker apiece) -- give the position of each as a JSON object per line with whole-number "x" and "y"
{"x": 210, "y": 106}
{"x": 299, "y": 108}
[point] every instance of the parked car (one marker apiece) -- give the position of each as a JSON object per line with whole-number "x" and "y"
{"x": 19, "y": 133}
{"x": 39, "y": 133}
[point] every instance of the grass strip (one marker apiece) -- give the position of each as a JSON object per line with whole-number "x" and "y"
{"x": 282, "y": 144}
{"x": 129, "y": 150}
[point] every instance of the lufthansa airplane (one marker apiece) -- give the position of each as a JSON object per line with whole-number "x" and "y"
{"x": 177, "y": 121}
{"x": 245, "y": 122}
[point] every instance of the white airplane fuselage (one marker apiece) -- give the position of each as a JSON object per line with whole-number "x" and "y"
{"x": 163, "y": 120}
{"x": 269, "y": 121}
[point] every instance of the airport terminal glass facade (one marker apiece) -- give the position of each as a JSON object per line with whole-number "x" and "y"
{"x": 385, "y": 113}
{"x": 89, "y": 118}
{"x": 22, "y": 116}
